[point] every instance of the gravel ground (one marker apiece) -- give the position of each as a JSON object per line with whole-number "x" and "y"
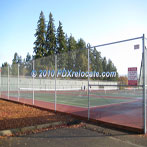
{"x": 13, "y": 115}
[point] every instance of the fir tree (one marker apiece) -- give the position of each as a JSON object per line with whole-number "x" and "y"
{"x": 98, "y": 62}
{"x": 4, "y": 68}
{"x": 28, "y": 64}
{"x": 28, "y": 57}
{"x": 16, "y": 58}
{"x": 5, "y": 64}
{"x": 61, "y": 47}
{"x": 50, "y": 36}
{"x": 104, "y": 64}
{"x": 14, "y": 67}
{"x": 81, "y": 56}
{"x": 111, "y": 68}
{"x": 81, "y": 44}
{"x": 61, "y": 40}
{"x": 39, "y": 48}
{"x": 71, "y": 46}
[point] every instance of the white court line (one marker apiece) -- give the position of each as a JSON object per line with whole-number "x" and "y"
{"x": 38, "y": 89}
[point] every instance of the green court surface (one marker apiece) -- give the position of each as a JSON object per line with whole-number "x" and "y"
{"x": 80, "y": 98}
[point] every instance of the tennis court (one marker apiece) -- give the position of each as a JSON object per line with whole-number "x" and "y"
{"x": 79, "y": 98}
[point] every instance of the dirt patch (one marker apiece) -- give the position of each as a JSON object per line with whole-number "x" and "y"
{"x": 14, "y": 115}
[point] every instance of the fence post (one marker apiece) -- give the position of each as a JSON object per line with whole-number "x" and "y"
{"x": 8, "y": 82}
{"x": 144, "y": 83}
{"x": 88, "y": 46}
{"x": 55, "y": 79}
{"x": 18, "y": 82}
{"x": 33, "y": 83}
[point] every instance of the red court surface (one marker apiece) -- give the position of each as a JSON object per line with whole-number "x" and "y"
{"x": 124, "y": 115}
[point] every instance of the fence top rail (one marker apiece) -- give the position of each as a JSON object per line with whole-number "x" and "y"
{"x": 117, "y": 85}
{"x": 105, "y": 44}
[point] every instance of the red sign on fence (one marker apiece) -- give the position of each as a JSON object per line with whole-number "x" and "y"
{"x": 132, "y": 76}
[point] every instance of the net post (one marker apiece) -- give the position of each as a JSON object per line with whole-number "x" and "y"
{"x": 33, "y": 83}
{"x": 18, "y": 82}
{"x": 144, "y": 85}
{"x": 8, "y": 82}
{"x": 55, "y": 80}
{"x": 88, "y": 46}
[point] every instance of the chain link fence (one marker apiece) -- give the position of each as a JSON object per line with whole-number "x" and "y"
{"x": 106, "y": 82}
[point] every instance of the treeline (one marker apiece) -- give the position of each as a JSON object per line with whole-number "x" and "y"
{"x": 71, "y": 54}
{"x": 24, "y": 65}
{"x": 50, "y": 40}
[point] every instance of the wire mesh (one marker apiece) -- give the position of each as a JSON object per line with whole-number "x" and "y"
{"x": 13, "y": 82}
{"x": 71, "y": 84}
{"x": 4, "y": 82}
{"x": 116, "y": 83}
{"x": 44, "y": 81}
{"x": 25, "y": 87}
{"x": 111, "y": 91}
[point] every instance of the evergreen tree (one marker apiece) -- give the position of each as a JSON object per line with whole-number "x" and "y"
{"x": 104, "y": 64}
{"x": 61, "y": 40}
{"x": 4, "y": 68}
{"x": 111, "y": 68}
{"x": 28, "y": 57}
{"x": 5, "y": 64}
{"x": 61, "y": 47}
{"x": 98, "y": 61}
{"x": 81, "y": 56}
{"x": 66, "y": 39}
{"x": 92, "y": 60}
{"x": 16, "y": 58}
{"x": 39, "y": 48}
{"x": 14, "y": 66}
{"x": 20, "y": 59}
{"x": 71, "y": 46}
{"x": 28, "y": 64}
{"x": 81, "y": 44}
{"x": 82, "y": 62}
{"x": 51, "y": 37}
